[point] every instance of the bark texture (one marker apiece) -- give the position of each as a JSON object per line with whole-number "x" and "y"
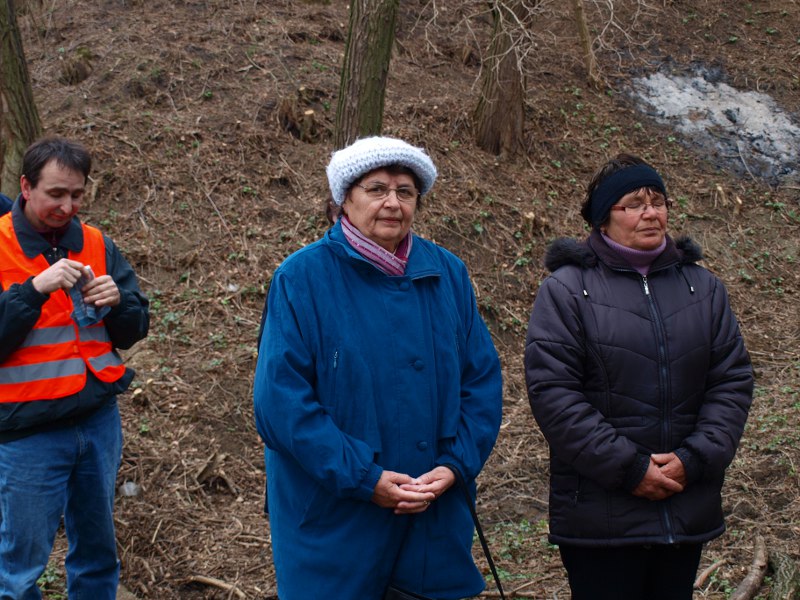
{"x": 786, "y": 581}
{"x": 586, "y": 43}
{"x": 368, "y": 51}
{"x": 19, "y": 119}
{"x": 500, "y": 113}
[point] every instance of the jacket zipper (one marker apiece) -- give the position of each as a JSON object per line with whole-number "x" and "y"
{"x": 663, "y": 386}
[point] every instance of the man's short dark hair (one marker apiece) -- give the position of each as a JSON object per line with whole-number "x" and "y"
{"x": 67, "y": 153}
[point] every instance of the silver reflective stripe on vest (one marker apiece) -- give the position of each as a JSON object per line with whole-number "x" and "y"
{"x": 109, "y": 359}
{"x": 49, "y": 335}
{"x": 94, "y": 334}
{"x": 39, "y": 371}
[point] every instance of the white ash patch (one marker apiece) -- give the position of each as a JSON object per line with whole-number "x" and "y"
{"x": 745, "y": 131}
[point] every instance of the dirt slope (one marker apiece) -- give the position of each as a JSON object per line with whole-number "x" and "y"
{"x": 189, "y": 106}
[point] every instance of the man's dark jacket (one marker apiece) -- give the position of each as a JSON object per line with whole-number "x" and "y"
{"x": 20, "y": 307}
{"x": 5, "y": 204}
{"x": 620, "y": 366}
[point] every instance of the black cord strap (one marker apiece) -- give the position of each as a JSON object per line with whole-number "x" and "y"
{"x": 462, "y": 484}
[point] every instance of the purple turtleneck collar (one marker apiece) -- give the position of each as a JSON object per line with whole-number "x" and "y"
{"x": 638, "y": 259}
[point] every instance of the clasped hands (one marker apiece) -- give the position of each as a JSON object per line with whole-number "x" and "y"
{"x": 665, "y": 476}
{"x": 410, "y": 495}
{"x": 65, "y": 273}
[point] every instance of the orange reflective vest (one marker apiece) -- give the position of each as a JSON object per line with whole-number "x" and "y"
{"x": 52, "y": 360}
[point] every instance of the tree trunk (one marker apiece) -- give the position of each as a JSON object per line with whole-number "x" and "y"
{"x": 368, "y": 51}
{"x": 500, "y": 112}
{"x": 586, "y": 43}
{"x": 19, "y": 119}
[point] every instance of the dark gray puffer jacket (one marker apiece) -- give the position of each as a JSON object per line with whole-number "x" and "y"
{"x": 620, "y": 366}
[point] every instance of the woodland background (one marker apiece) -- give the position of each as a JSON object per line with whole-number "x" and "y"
{"x": 210, "y": 170}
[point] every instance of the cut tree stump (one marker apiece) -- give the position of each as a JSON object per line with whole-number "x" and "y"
{"x": 786, "y": 582}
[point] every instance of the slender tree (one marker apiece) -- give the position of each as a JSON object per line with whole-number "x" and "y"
{"x": 19, "y": 119}
{"x": 500, "y": 112}
{"x": 586, "y": 42}
{"x": 368, "y": 50}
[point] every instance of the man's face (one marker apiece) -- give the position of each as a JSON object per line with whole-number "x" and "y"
{"x": 55, "y": 199}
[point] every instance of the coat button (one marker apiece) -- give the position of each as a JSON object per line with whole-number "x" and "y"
{"x": 422, "y": 445}
{"x": 404, "y": 286}
{"x": 418, "y": 365}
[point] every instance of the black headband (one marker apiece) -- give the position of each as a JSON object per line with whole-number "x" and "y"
{"x": 616, "y": 185}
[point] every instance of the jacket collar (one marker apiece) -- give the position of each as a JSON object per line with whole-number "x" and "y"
{"x": 587, "y": 254}
{"x": 32, "y": 242}
{"x": 421, "y": 263}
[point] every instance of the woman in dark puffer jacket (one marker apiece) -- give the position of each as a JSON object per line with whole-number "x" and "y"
{"x": 638, "y": 376}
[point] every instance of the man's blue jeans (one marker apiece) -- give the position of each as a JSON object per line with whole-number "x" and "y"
{"x": 71, "y": 472}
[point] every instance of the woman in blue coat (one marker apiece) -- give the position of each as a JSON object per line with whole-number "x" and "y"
{"x": 376, "y": 380}
{"x": 639, "y": 379}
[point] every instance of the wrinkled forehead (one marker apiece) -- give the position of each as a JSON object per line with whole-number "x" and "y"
{"x": 56, "y": 174}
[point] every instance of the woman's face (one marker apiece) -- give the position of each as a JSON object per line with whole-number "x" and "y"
{"x": 634, "y": 228}
{"x": 385, "y": 221}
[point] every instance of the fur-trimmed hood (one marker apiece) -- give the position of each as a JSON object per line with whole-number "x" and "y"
{"x": 586, "y": 253}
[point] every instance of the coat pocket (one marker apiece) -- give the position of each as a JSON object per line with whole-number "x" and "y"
{"x": 351, "y": 396}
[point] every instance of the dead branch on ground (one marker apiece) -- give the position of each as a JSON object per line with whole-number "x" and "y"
{"x": 706, "y": 573}
{"x": 755, "y": 576}
{"x": 218, "y": 583}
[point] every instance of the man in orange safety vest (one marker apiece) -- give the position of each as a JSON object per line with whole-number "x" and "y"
{"x": 68, "y": 301}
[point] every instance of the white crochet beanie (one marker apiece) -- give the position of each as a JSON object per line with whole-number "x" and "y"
{"x": 351, "y": 163}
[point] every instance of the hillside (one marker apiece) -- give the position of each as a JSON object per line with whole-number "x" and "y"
{"x": 187, "y": 106}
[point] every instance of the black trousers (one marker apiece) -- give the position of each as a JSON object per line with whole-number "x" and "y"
{"x": 633, "y": 572}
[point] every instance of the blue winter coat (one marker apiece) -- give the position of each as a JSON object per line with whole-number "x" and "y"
{"x": 621, "y": 366}
{"x": 360, "y": 372}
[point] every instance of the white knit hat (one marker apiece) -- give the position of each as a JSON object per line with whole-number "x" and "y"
{"x": 351, "y": 163}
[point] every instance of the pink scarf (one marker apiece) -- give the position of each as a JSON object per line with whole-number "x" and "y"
{"x": 391, "y": 264}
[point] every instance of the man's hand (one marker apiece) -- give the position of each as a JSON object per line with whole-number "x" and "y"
{"x": 656, "y": 485}
{"x": 390, "y": 492}
{"x": 61, "y": 275}
{"x": 101, "y": 291}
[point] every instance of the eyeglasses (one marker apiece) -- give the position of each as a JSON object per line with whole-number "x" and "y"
{"x": 378, "y": 191}
{"x": 639, "y": 208}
